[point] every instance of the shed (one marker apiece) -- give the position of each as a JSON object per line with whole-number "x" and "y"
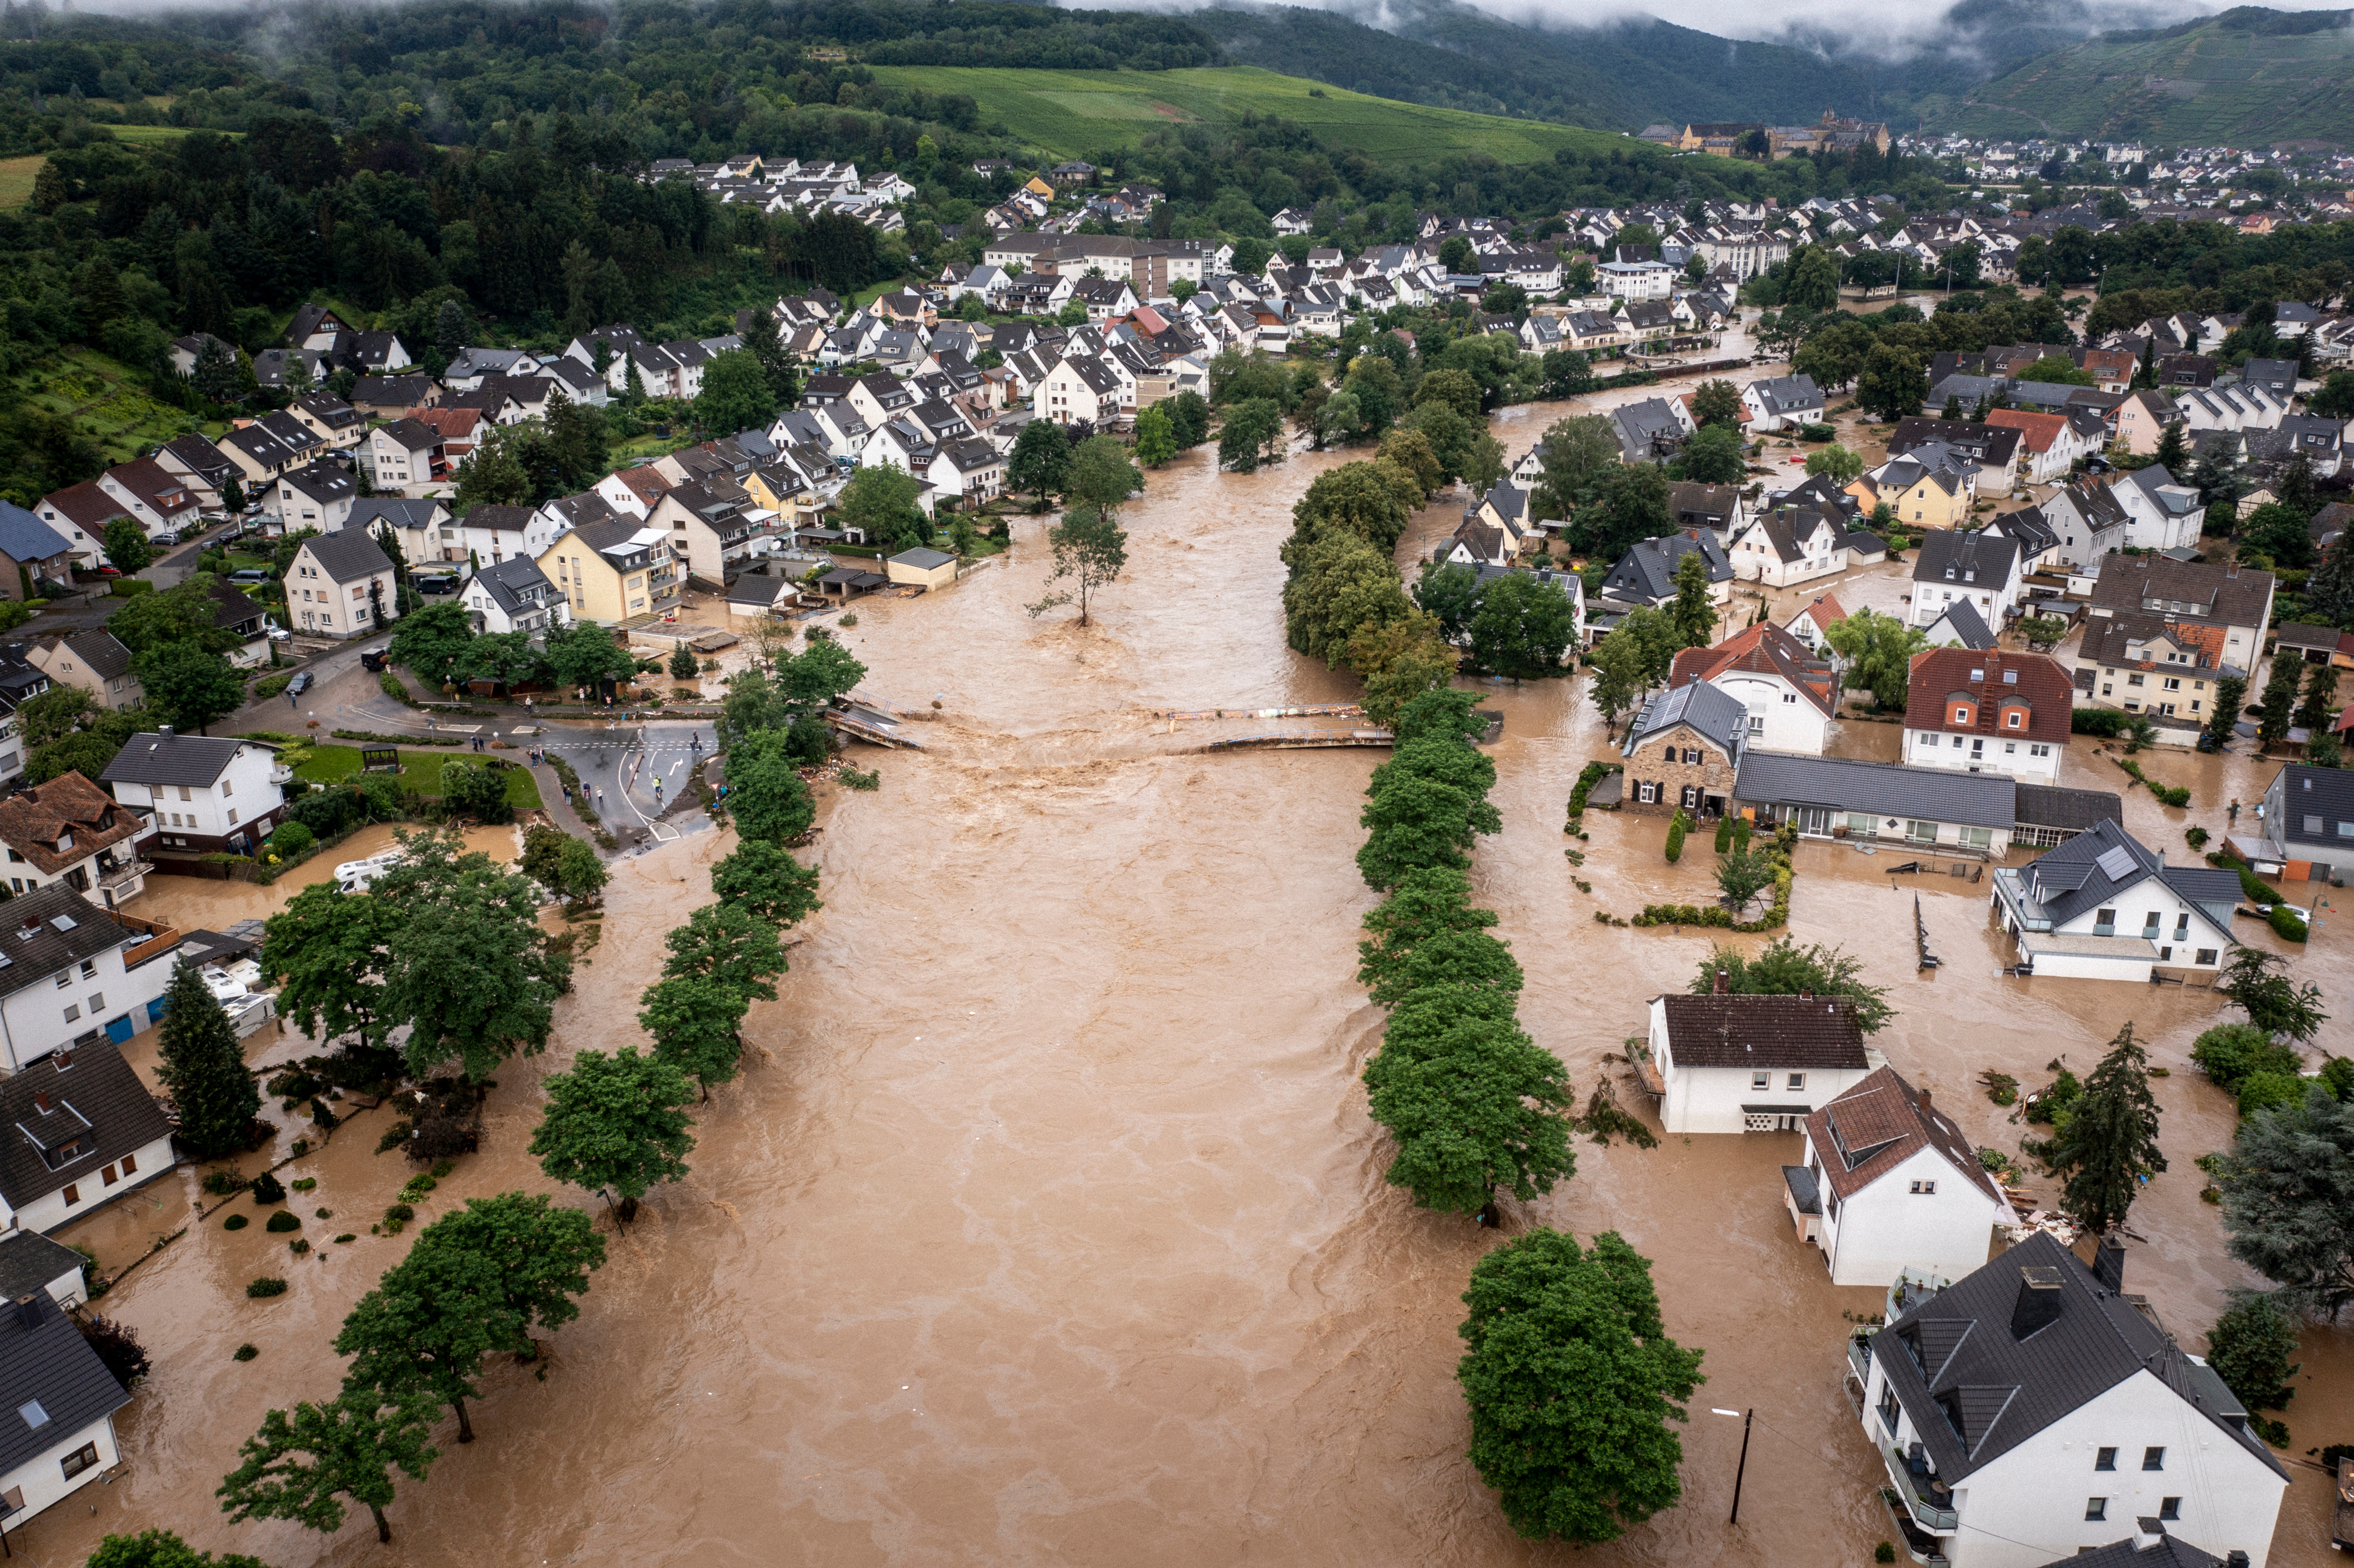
{"x": 921, "y": 568}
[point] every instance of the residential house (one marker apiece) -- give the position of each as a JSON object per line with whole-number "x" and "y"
{"x": 1646, "y": 573}
{"x": 203, "y": 465}
{"x": 2149, "y": 662}
{"x": 70, "y": 831}
{"x": 86, "y": 1130}
{"x": 75, "y": 518}
{"x": 208, "y": 794}
{"x": 245, "y": 620}
{"x": 1682, "y": 751}
{"x": 1923, "y": 807}
{"x": 1982, "y": 568}
{"x": 2161, "y": 512}
{"x": 1920, "y": 489}
{"x": 340, "y": 584}
{"x": 330, "y": 418}
{"x": 2102, "y": 907}
{"x": 259, "y": 455}
{"x": 2091, "y": 522}
{"x": 1653, "y": 430}
{"x": 921, "y": 568}
{"x": 2050, "y": 444}
{"x": 973, "y": 469}
{"x": 1782, "y": 402}
{"x": 1787, "y": 690}
{"x": 1719, "y": 508}
{"x": 1959, "y": 625}
{"x": 155, "y": 498}
{"x": 415, "y": 525}
{"x": 487, "y": 533}
{"x": 1990, "y": 447}
{"x": 1886, "y": 1182}
{"x": 1811, "y": 624}
{"x": 317, "y": 496}
{"x": 1983, "y": 711}
{"x": 2305, "y": 825}
{"x": 617, "y": 570}
{"x": 2142, "y": 419}
{"x": 2032, "y": 1406}
{"x": 61, "y": 1437}
{"x": 2319, "y": 440}
{"x": 2277, "y": 377}
{"x": 2236, "y": 597}
{"x": 712, "y": 528}
{"x": 34, "y": 550}
{"x": 634, "y": 491}
{"x": 2039, "y": 542}
{"x": 389, "y": 397}
{"x": 1077, "y": 390}
{"x": 404, "y": 459}
{"x": 1752, "y": 1064}
{"x": 93, "y": 660}
{"x": 471, "y": 366}
{"x": 1789, "y": 544}
{"x": 514, "y": 595}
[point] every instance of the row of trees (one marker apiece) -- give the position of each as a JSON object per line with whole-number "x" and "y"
{"x": 439, "y": 643}
{"x": 1345, "y": 603}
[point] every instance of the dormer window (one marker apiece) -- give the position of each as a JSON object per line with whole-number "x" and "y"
{"x": 65, "y": 840}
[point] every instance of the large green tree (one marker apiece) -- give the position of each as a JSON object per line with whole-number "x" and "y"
{"x": 1253, "y": 434}
{"x": 880, "y": 501}
{"x": 1522, "y": 627}
{"x": 696, "y": 1024}
{"x": 162, "y": 1549}
{"x": 1090, "y": 549}
{"x": 328, "y": 951}
{"x": 202, "y": 1066}
{"x": 303, "y": 1466}
{"x": 766, "y": 793}
{"x": 737, "y": 395}
{"x": 2108, "y": 1145}
{"x": 1784, "y": 967}
{"x": 433, "y": 641}
{"x": 1894, "y": 385}
{"x": 728, "y": 944}
{"x": 1580, "y": 455}
{"x": 126, "y": 546}
{"x": 471, "y": 973}
{"x": 1424, "y": 904}
{"x": 2279, "y": 1006}
{"x": 1879, "y": 652}
{"x": 1042, "y": 455}
{"x": 1473, "y": 1104}
{"x": 1342, "y": 584}
{"x": 763, "y": 879}
{"x": 616, "y": 1125}
{"x": 1692, "y": 610}
{"x": 1572, "y": 1381}
{"x": 2288, "y": 1199}
{"x": 1100, "y": 476}
{"x": 2253, "y": 1347}
{"x": 188, "y": 687}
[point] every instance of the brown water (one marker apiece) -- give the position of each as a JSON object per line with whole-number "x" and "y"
{"x": 1047, "y": 1226}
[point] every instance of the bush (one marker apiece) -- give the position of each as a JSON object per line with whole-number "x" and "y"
{"x": 2262, "y": 1091}
{"x": 282, "y": 1221}
{"x": 852, "y": 778}
{"x": 2286, "y": 922}
{"x": 2229, "y": 1053}
{"x": 305, "y": 1184}
{"x": 2195, "y": 837}
{"x": 1884, "y": 1553}
{"x": 2106, "y": 722}
{"x": 2171, "y": 794}
{"x": 267, "y": 1189}
{"x": 389, "y": 685}
{"x": 221, "y": 1183}
{"x": 1724, "y": 834}
{"x": 292, "y": 839}
{"x": 244, "y": 1353}
{"x": 347, "y": 1235}
{"x": 118, "y": 1350}
{"x": 236, "y": 1222}
{"x": 401, "y": 1214}
{"x": 264, "y": 1288}
{"x": 324, "y": 1214}
{"x": 271, "y": 686}
{"x": 1819, "y": 433}
{"x": 1677, "y": 828}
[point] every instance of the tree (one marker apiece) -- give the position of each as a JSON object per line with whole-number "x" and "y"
{"x": 1041, "y": 453}
{"x": 472, "y": 973}
{"x": 187, "y": 686}
{"x": 1342, "y": 586}
{"x": 880, "y": 501}
{"x": 2316, "y": 711}
{"x": 1618, "y": 677}
{"x": 187, "y": 613}
{"x": 2251, "y": 1347}
{"x": 1415, "y": 824}
{"x": 126, "y": 546}
{"x": 1100, "y": 476}
{"x": 728, "y": 946}
{"x": 1522, "y": 627}
{"x": 1879, "y": 652}
{"x": 479, "y": 1281}
{"x": 1715, "y": 456}
{"x": 1693, "y": 610}
{"x": 1253, "y": 435}
{"x": 2279, "y": 699}
{"x": 1090, "y": 549}
{"x": 1717, "y": 403}
{"x": 2334, "y": 398}
{"x": 736, "y": 394}
{"x": 302, "y": 1467}
{"x": 696, "y": 1024}
{"x": 2329, "y": 591}
{"x": 1634, "y": 507}
{"x": 1473, "y": 1105}
{"x": 433, "y": 641}
{"x": 765, "y": 791}
{"x": 1425, "y": 903}
{"x": 616, "y": 1125}
{"x": 1400, "y": 659}
{"x": 1580, "y": 455}
{"x": 1811, "y": 280}
{"x": 1459, "y": 389}
{"x": 1784, "y": 968}
{"x": 327, "y": 952}
{"x": 1741, "y": 876}
{"x": 2230, "y": 691}
{"x": 162, "y": 1549}
{"x": 2173, "y": 450}
{"x": 1567, "y": 372}
{"x": 2288, "y": 1199}
{"x": 1894, "y": 386}
{"x": 1189, "y": 418}
{"x": 2274, "y": 1002}
{"x": 2109, "y": 1144}
{"x": 203, "y": 1066}
{"x": 1842, "y": 465}
{"x": 2278, "y": 533}
{"x": 1572, "y": 1381}
{"x": 766, "y": 343}
{"x": 475, "y": 791}
{"x": 764, "y": 880}
{"x": 1448, "y": 592}
{"x": 1156, "y": 440}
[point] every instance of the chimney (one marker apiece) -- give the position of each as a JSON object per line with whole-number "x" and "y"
{"x": 2148, "y": 1532}
{"x": 2042, "y": 1293}
{"x": 30, "y": 1309}
{"x": 41, "y": 1101}
{"x": 164, "y": 730}
{"x": 1806, "y": 996}
{"x": 1721, "y": 983}
{"x": 2235, "y": 1560}
{"x": 65, "y": 1060}
{"x": 2109, "y": 1265}
{"x": 1924, "y": 1101}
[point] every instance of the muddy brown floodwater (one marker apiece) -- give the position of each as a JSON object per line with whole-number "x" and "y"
{"x": 1047, "y": 1224}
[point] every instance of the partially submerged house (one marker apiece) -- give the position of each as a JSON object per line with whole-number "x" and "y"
{"x": 1751, "y": 1063}
{"x": 1885, "y": 1181}
{"x": 2102, "y": 907}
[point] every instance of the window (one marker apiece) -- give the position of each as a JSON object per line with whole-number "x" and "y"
{"x": 2104, "y": 922}
{"x": 35, "y": 1416}
{"x": 184, "y": 793}
{"x": 106, "y": 1174}
{"x": 2206, "y": 955}
{"x": 1796, "y": 1081}
{"x": 2133, "y": 680}
{"x": 73, "y": 1011}
{"x": 1760, "y": 1080}
{"x": 82, "y": 1458}
{"x": 2096, "y": 1508}
{"x": 2106, "y": 1459}
{"x": 97, "y": 1003}
{"x": 2313, "y": 825}
{"x": 131, "y": 1165}
{"x": 1925, "y": 1188}
{"x": 2153, "y": 1459}
{"x": 64, "y": 978}
{"x": 1648, "y": 793}
{"x": 1690, "y": 799}
{"x": 2170, "y": 1508}
{"x": 1978, "y": 839}
{"x": 1691, "y": 759}
{"x": 232, "y": 816}
{"x": 89, "y": 970}
{"x": 73, "y": 1194}
{"x": 1888, "y": 1410}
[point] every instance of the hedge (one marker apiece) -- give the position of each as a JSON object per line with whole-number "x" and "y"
{"x": 2106, "y": 722}
{"x": 2286, "y": 922}
{"x": 1776, "y": 915}
{"x": 2257, "y": 893}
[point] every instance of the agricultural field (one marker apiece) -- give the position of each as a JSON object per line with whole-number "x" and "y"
{"x": 16, "y": 177}
{"x": 110, "y": 401}
{"x": 1070, "y": 112}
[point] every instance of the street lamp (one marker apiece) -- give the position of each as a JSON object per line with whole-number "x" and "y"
{"x": 1741, "y": 1469}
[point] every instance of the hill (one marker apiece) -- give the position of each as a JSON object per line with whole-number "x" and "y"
{"x": 1072, "y": 112}
{"x": 2249, "y": 77}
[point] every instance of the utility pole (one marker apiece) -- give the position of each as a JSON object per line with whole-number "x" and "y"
{"x": 1741, "y": 1469}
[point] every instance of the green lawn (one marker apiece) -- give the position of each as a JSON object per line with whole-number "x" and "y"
{"x": 420, "y": 772}
{"x": 1068, "y": 113}
{"x": 110, "y": 401}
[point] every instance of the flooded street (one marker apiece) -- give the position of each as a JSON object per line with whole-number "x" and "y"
{"x": 1047, "y": 1224}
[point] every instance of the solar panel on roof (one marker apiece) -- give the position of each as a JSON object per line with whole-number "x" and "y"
{"x": 62, "y": 922}
{"x": 2116, "y": 864}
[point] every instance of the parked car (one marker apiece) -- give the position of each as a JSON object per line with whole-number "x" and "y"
{"x": 300, "y": 683}
{"x": 373, "y": 660}
{"x": 249, "y": 574}
{"x": 109, "y": 571}
{"x": 437, "y": 585}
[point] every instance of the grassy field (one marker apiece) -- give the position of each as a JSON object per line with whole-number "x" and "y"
{"x": 1067, "y": 112}
{"x": 109, "y": 401}
{"x": 17, "y": 177}
{"x": 420, "y": 772}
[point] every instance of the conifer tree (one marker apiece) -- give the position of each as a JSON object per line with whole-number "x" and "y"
{"x": 203, "y": 1065}
{"x": 2109, "y": 1145}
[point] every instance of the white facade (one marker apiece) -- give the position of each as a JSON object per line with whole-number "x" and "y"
{"x": 1757, "y": 558}
{"x": 2028, "y": 762}
{"x": 1781, "y": 716}
{"x": 1710, "y": 1099}
{"x": 1920, "y": 1213}
{"x": 51, "y": 1014}
{"x": 245, "y": 793}
{"x": 1990, "y": 599}
{"x": 76, "y": 1460}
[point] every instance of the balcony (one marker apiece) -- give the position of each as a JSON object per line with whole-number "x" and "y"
{"x": 128, "y": 871}
{"x": 1859, "y": 1357}
{"x": 1920, "y": 1495}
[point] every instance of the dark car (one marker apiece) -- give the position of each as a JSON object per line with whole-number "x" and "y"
{"x": 373, "y": 660}
{"x": 300, "y": 683}
{"x": 437, "y": 585}
{"x": 249, "y": 574}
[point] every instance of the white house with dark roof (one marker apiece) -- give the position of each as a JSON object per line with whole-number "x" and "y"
{"x": 1751, "y": 1063}
{"x": 94, "y": 660}
{"x": 60, "y": 1436}
{"x": 2031, "y": 1408}
{"x": 406, "y": 459}
{"x": 1839, "y": 798}
{"x": 1646, "y": 573}
{"x": 206, "y": 793}
{"x": 1977, "y": 567}
{"x": 416, "y": 524}
{"x": 1959, "y": 625}
{"x": 1789, "y": 544}
{"x": 79, "y": 1128}
{"x": 1783, "y": 402}
{"x": 515, "y": 594}
{"x": 2305, "y": 825}
{"x": 2160, "y": 514}
{"x": 340, "y": 584}
{"x": 318, "y": 496}
{"x": 1886, "y": 1182}
{"x": 2102, "y": 907}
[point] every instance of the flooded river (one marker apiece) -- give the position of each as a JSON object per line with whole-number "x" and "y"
{"x": 1047, "y": 1224}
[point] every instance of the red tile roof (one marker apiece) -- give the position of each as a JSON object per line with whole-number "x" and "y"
{"x": 1888, "y": 1121}
{"x": 2037, "y": 430}
{"x": 1827, "y": 611}
{"x": 1765, "y": 649}
{"x": 1945, "y": 679}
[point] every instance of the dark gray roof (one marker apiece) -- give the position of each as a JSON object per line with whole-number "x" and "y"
{"x": 367, "y": 513}
{"x": 2308, "y": 791}
{"x": 30, "y": 1261}
{"x": 99, "y": 1110}
{"x": 1884, "y": 790}
{"x": 25, "y": 537}
{"x": 1978, "y": 558}
{"x": 1715, "y": 713}
{"x": 50, "y": 1365}
{"x": 176, "y": 758}
{"x": 499, "y": 518}
{"x": 1642, "y": 425}
{"x": 922, "y": 559}
{"x": 1649, "y": 570}
{"x": 1762, "y": 1031}
{"x": 2029, "y": 528}
{"x": 1982, "y": 1386}
{"x": 517, "y": 584}
{"x": 755, "y": 589}
{"x": 2049, "y": 806}
{"x": 2165, "y": 1551}
{"x": 324, "y": 480}
{"x": 1788, "y": 394}
{"x": 100, "y": 652}
{"x": 2092, "y": 868}
{"x": 348, "y": 556}
{"x": 1968, "y": 625}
